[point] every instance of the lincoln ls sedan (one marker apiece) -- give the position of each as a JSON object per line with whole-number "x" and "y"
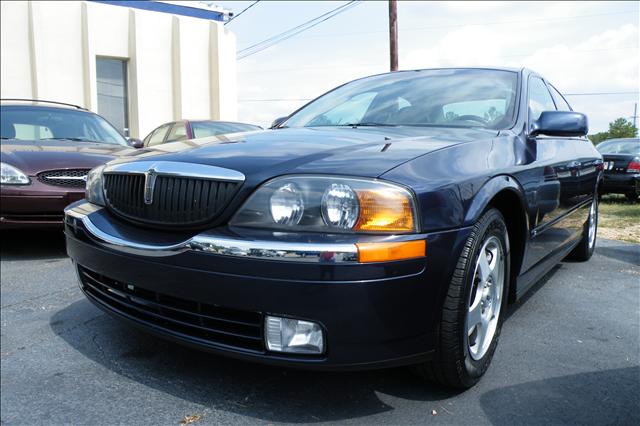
{"x": 388, "y": 222}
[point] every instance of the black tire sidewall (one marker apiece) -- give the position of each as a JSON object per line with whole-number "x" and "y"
{"x": 491, "y": 224}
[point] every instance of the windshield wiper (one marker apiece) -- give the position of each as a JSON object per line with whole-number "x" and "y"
{"x": 69, "y": 139}
{"x": 368, "y": 124}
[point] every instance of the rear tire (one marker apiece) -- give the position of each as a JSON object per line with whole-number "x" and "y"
{"x": 632, "y": 197}
{"x": 585, "y": 248}
{"x": 474, "y": 307}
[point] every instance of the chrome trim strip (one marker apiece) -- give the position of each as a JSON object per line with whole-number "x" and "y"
{"x": 83, "y": 177}
{"x": 176, "y": 168}
{"x": 223, "y": 246}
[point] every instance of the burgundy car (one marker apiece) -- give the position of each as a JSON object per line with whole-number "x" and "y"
{"x": 194, "y": 129}
{"x": 47, "y": 151}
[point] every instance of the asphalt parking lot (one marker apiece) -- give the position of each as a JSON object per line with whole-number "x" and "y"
{"x": 569, "y": 354}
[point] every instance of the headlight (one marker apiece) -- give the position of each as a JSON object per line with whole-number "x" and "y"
{"x": 329, "y": 204}
{"x": 10, "y": 175}
{"x": 94, "y": 192}
{"x": 286, "y": 205}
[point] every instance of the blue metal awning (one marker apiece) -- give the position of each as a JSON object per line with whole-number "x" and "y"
{"x": 174, "y": 9}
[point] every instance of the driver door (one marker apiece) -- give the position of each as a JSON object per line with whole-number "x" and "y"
{"x": 553, "y": 189}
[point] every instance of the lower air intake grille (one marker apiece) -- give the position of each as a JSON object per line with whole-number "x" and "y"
{"x": 196, "y": 321}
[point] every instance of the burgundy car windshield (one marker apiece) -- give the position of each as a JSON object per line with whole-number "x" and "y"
{"x": 37, "y": 124}
{"x": 446, "y": 97}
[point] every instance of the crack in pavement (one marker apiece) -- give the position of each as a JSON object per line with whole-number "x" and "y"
{"x": 37, "y": 297}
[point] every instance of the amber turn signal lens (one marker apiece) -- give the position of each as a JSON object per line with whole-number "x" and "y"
{"x": 381, "y": 252}
{"x": 384, "y": 210}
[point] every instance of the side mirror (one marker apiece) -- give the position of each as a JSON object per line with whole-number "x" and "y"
{"x": 278, "y": 121}
{"x": 560, "y": 123}
{"x": 135, "y": 143}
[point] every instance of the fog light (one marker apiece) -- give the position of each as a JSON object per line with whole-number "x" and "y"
{"x": 293, "y": 336}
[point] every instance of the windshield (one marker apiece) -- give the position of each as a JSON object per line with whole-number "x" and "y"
{"x": 628, "y": 146}
{"x": 202, "y": 129}
{"x": 450, "y": 98}
{"x": 36, "y": 124}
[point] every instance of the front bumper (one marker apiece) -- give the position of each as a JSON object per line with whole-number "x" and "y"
{"x": 35, "y": 205}
{"x": 373, "y": 315}
{"x": 620, "y": 183}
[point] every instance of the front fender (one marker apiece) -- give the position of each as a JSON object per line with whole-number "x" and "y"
{"x": 478, "y": 202}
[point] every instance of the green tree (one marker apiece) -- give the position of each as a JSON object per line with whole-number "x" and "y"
{"x": 620, "y": 128}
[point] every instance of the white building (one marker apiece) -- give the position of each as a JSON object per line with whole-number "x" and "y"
{"x": 137, "y": 63}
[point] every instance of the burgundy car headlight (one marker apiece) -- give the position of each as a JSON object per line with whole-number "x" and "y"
{"x": 10, "y": 175}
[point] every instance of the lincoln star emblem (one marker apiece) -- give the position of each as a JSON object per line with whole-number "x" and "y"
{"x": 149, "y": 184}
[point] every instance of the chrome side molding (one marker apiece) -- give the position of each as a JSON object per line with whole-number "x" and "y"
{"x": 77, "y": 215}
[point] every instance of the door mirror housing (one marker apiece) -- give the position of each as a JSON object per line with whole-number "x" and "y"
{"x": 135, "y": 143}
{"x": 278, "y": 121}
{"x": 560, "y": 123}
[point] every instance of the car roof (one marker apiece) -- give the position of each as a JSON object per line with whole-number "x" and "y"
{"x": 39, "y": 103}
{"x": 488, "y": 68}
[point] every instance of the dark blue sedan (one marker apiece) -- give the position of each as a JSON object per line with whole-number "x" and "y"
{"x": 388, "y": 222}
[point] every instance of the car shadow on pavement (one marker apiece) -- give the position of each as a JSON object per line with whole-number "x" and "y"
{"x": 600, "y": 397}
{"x": 262, "y": 392}
{"x": 32, "y": 244}
{"x": 627, "y": 253}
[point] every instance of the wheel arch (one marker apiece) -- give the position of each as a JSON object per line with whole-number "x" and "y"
{"x": 506, "y": 195}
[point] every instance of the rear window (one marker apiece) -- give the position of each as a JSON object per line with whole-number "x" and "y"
{"x": 35, "y": 124}
{"x": 629, "y": 147}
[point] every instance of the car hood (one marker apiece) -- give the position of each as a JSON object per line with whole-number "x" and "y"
{"x": 363, "y": 151}
{"x": 33, "y": 157}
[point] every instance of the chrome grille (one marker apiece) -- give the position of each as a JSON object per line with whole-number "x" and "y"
{"x": 175, "y": 201}
{"x": 73, "y": 178}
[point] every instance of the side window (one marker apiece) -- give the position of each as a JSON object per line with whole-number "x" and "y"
{"x": 158, "y": 136}
{"x": 178, "y": 132}
{"x": 539, "y": 98}
{"x": 560, "y": 102}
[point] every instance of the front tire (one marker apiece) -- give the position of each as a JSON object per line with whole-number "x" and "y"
{"x": 474, "y": 307}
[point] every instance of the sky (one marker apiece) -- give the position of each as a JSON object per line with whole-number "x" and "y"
{"x": 580, "y": 47}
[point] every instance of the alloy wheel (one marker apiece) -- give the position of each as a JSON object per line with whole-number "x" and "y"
{"x": 485, "y": 299}
{"x": 593, "y": 221}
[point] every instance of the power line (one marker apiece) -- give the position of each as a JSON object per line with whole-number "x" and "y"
{"x": 575, "y": 51}
{"x": 243, "y": 11}
{"x": 481, "y": 24}
{"x": 278, "y": 38}
{"x": 272, "y": 38}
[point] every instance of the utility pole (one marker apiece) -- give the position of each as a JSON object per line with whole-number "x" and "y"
{"x": 635, "y": 114}
{"x": 393, "y": 35}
